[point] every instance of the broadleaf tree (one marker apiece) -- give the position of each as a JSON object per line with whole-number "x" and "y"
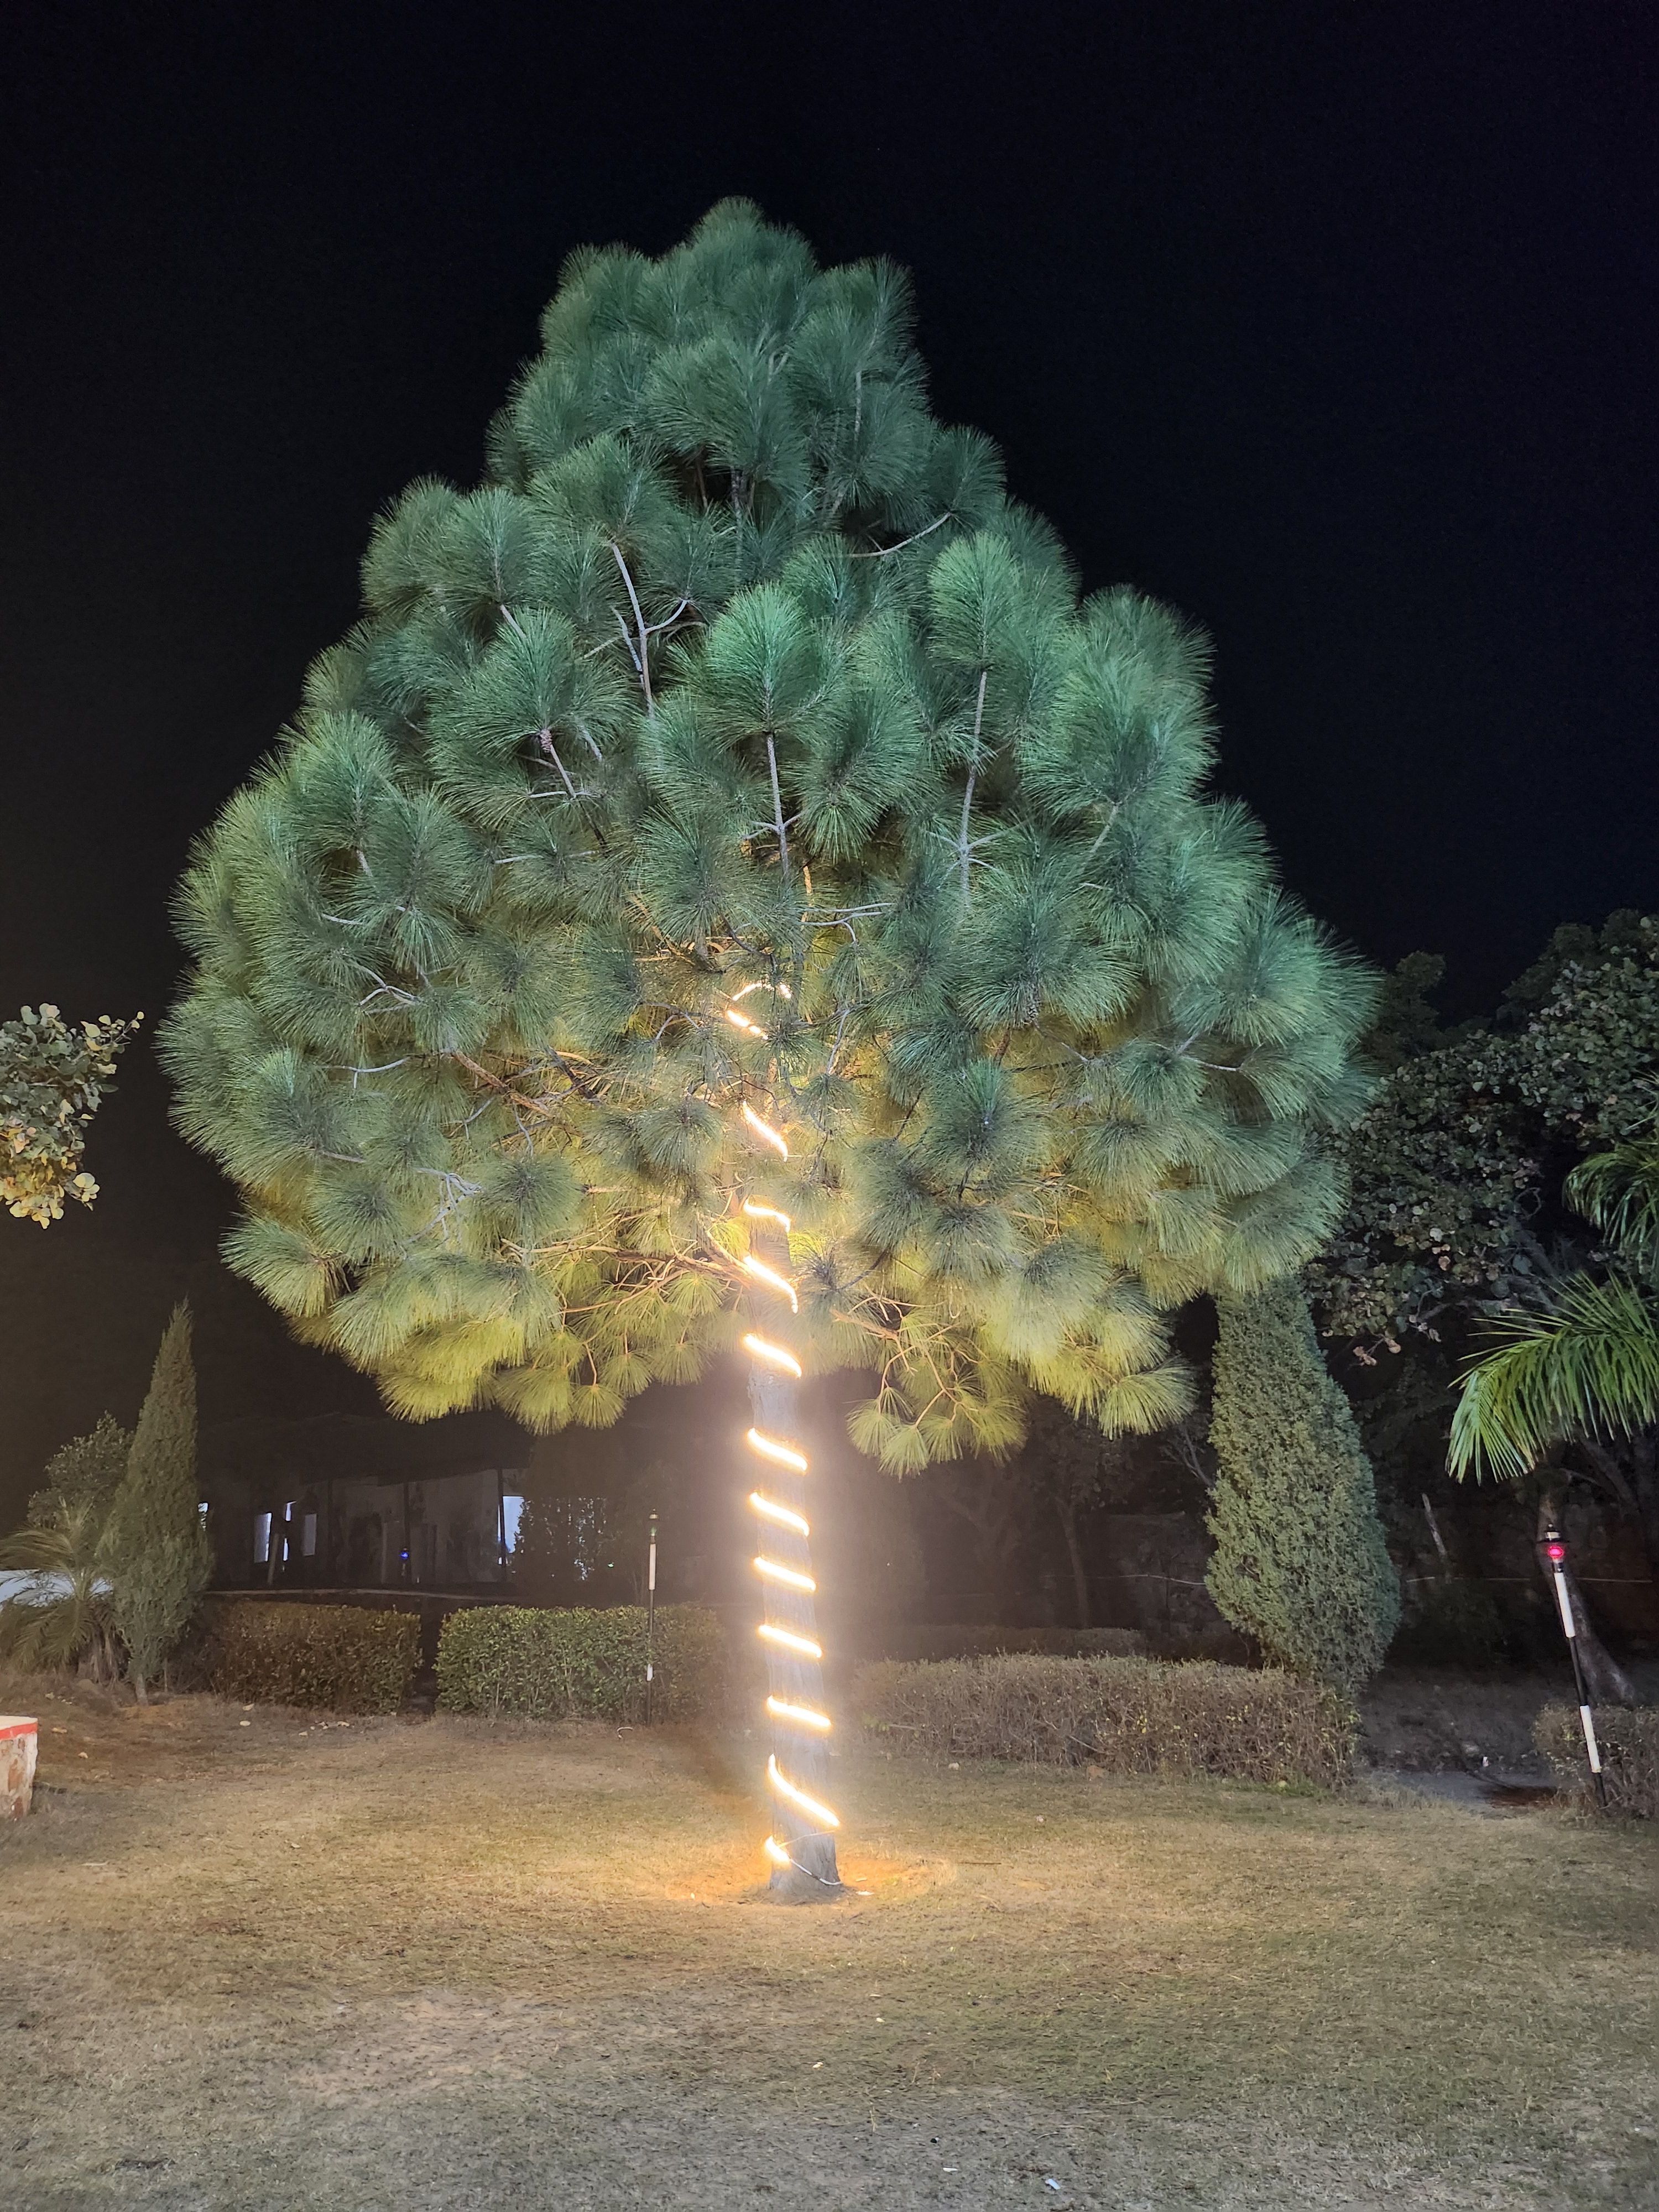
{"x": 738, "y": 669}
{"x": 53, "y": 1076}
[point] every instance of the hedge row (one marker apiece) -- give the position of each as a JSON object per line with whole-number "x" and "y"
{"x": 342, "y": 1657}
{"x": 1130, "y": 1716}
{"x": 577, "y": 1664}
{"x": 969, "y": 1640}
{"x": 1629, "y": 1744}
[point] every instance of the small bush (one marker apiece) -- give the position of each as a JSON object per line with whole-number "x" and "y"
{"x": 1629, "y": 1744}
{"x": 342, "y": 1657}
{"x": 1129, "y": 1716}
{"x": 574, "y": 1663}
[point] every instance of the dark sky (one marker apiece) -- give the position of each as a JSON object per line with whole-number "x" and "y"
{"x": 1335, "y": 325}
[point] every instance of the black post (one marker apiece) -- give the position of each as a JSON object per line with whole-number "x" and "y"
{"x": 1555, "y": 1551}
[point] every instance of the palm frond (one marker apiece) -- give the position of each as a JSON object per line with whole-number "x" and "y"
{"x": 1619, "y": 1191}
{"x": 1587, "y": 1365}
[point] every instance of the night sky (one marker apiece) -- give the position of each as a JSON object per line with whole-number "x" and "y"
{"x": 1335, "y": 326}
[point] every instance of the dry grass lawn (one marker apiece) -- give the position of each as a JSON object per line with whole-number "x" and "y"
{"x": 412, "y": 1964}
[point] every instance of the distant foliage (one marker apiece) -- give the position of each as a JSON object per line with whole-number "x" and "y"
{"x": 1451, "y": 1165}
{"x": 336, "y": 1658}
{"x": 66, "y": 1615}
{"x": 741, "y": 674}
{"x": 52, "y": 1079}
{"x": 1126, "y": 1716}
{"x": 1299, "y": 1562}
{"x": 571, "y": 1663}
{"x": 155, "y": 1544}
{"x": 62, "y": 1617}
{"x": 86, "y": 1473}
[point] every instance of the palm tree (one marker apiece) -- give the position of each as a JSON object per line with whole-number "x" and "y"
{"x": 66, "y": 1615}
{"x": 1582, "y": 1367}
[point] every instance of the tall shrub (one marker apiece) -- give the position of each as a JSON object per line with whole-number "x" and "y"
{"x": 84, "y": 1473}
{"x": 1300, "y": 1563}
{"x": 155, "y": 1546}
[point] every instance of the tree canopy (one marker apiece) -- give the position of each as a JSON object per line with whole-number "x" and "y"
{"x": 52, "y": 1079}
{"x": 1454, "y": 1168}
{"x": 740, "y": 739}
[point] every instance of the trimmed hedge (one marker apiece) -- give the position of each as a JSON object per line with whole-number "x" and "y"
{"x": 1629, "y": 1745}
{"x": 572, "y": 1662}
{"x": 968, "y": 1640}
{"x": 1129, "y": 1716}
{"x": 341, "y": 1657}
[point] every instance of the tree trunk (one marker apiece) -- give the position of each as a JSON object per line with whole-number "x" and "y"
{"x": 1636, "y": 1495}
{"x": 1604, "y": 1678}
{"x": 140, "y": 1689}
{"x": 1067, "y": 1510}
{"x": 1644, "y": 1481}
{"x": 795, "y": 1678}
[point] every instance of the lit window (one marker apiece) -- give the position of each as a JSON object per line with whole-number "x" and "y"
{"x": 512, "y": 1514}
{"x": 308, "y": 1536}
{"x": 261, "y": 1538}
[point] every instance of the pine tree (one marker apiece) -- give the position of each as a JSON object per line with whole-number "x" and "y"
{"x": 740, "y": 743}
{"x": 1300, "y": 1563}
{"x": 154, "y": 1545}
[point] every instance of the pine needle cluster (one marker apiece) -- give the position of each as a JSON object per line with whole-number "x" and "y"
{"x": 739, "y": 669}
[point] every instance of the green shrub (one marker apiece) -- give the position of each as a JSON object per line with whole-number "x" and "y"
{"x": 972, "y": 1640}
{"x": 1129, "y": 1715}
{"x": 574, "y": 1663}
{"x": 342, "y": 1658}
{"x": 1299, "y": 1561}
{"x": 1629, "y": 1744}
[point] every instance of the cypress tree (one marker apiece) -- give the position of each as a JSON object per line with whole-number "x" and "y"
{"x": 154, "y": 1544}
{"x": 1300, "y": 1563}
{"x": 740, "y": 743}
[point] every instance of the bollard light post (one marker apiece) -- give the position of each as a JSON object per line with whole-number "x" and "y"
{"x": 1555, "y": 1551}
{"x": 650, "y": 1619}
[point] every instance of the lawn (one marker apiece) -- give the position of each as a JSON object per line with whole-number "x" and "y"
{"x": 252, "y": 1959}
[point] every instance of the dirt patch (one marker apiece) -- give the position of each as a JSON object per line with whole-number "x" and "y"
{"x": 449, "y": 1964}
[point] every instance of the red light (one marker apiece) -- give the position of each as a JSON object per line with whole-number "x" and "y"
{"x": 1557, "y": 1552}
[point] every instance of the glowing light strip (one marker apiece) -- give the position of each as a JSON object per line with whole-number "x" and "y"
{"x": 764, "y": 1131}
{"x": 783, "y": 1453}
{"x": 802, "y": 1716}
{"x": 790, "y": 1641}
{"x": 763, "y": 1274}
{"x": 758, "y": 1212}
{"x": 769, "y": 1448}
{"x": 770, "y": 1511}
{"x": 799, "y": 1798}
{"x": 773, "y": 1570}
{"x": 773, "y": 1354}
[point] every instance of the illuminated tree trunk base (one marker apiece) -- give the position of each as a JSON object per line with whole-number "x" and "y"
{"x": 801, "y": 1848}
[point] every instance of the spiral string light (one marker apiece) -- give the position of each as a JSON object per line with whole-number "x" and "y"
{"x": 802, "y": 1844}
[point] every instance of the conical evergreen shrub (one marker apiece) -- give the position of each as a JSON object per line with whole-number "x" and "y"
{"x": 737, "y": 670}
{"x": 154, "y": 1544}
{"x": 1299, "y": 1562}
